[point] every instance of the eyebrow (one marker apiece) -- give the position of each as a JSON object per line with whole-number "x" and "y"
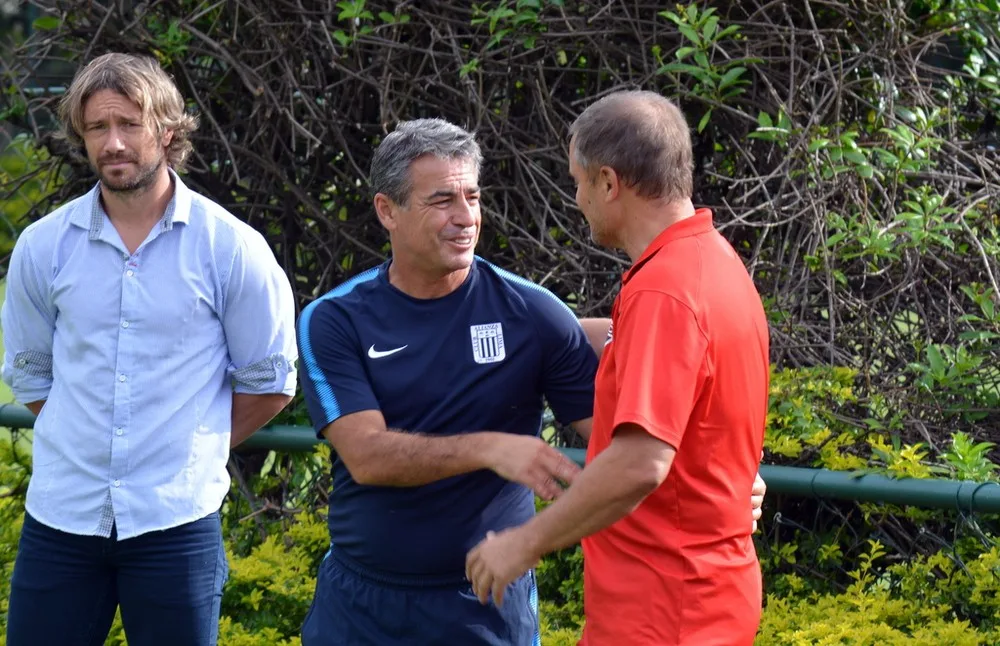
{"x": 446, "y": 193}
{"x": 119, "y": 118}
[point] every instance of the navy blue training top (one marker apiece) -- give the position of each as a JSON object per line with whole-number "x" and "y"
{"x": 479, "y": 359}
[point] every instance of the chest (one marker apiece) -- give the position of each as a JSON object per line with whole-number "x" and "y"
{"x": 431, "y": 371}
{"x": 161, "y": 293}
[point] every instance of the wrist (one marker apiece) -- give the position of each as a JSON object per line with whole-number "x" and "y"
{"x": 532, "y": 539}
{"x": 487, "y": 446}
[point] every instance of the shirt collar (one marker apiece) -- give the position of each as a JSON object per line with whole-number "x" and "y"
{"x": 90, "y": 214}
{"x": 700, "y": 222}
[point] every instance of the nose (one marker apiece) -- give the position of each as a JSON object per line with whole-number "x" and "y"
{"x": 464, "y": 214}
{"x": 114, "y": 142}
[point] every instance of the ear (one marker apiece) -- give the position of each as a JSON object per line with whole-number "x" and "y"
{"x": 608, "y": 183}
{"x": 168, "y": 136}
{"x": 385, "y": 208}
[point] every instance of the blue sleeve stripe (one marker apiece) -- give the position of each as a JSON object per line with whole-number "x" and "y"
{"x": 324, "y": 391}
{"x": 524, "y": 282}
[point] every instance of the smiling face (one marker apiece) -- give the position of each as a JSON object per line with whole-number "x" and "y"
{"x": 436, "y": 231}
{"x": 122, "y": 148}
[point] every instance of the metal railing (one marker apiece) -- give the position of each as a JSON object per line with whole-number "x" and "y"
{"x": 795, "y": 481}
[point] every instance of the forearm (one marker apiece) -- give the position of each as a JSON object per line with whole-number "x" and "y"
{"x": 252, "y": 412}
{"x": 597, "y": 332}
{"x": 610, "y": 488}
{"x": 397, "y": 458}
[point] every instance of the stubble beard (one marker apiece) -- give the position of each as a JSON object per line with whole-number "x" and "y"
{"x": 143, "y": 179}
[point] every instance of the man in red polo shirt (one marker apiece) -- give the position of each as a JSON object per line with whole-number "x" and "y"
{"x": 680, "y": 408}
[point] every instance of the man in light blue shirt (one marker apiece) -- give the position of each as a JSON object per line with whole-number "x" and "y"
{"x": 149, "y": 330}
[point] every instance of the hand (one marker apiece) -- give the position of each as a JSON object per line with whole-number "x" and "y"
{"x": 532, "y": 462}
{"x": 499, "y": 560}
{"x": 757, "y": 499}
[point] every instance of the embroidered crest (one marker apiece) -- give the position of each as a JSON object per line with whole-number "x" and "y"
{"x": 487, "y": 343}
{"x": 610, "y": 336}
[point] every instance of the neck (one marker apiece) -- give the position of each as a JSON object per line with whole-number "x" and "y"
{"x": 143, "y": 205}
{"x": 414, "y": 281}
{"x": 647, "y": 219}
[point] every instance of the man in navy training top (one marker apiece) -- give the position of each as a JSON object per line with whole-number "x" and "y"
{"x": 427, "y": 375}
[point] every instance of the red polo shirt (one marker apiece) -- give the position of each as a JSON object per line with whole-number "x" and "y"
{"x": 688, "y": 362}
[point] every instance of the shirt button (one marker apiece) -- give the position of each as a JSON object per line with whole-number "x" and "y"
{"x": 117, "y": 483}
{"x": 121, "y": 378}
{"x": 124, "y": 323}
{"x": 119, "y": 431}
{"x": 129, "y": 273}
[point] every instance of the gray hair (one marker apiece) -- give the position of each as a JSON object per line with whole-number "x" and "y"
{"x": 643, "y": 137}
{"x": 390, "y": 170}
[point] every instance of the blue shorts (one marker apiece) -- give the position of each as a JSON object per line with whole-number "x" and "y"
{"x": 354, "y": 606}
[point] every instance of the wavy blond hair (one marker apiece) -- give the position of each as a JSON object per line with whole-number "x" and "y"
{"x": 141, "y": 80}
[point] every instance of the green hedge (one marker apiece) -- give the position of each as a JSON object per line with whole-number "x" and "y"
{"x": 834, "y": 574}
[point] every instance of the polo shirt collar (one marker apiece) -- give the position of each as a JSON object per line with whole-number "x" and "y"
{"x": 90, "y": 215}
{"x": 700, "y": 222}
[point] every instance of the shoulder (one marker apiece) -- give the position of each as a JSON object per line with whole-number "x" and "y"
{"x": 675, "y": 271}
{"x": 44, "y": 234}
{"x": 223, "y": 227}
{"x": 540, "y": 302}
{"x": 339, "y": 303}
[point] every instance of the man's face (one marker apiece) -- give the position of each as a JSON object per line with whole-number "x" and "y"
{"x": 124, "y": 152}
{"x": 438, "y": 228}
{"x": 586, "y": 199}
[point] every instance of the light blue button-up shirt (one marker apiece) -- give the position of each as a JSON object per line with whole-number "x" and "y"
{"x": 138, "y": 356}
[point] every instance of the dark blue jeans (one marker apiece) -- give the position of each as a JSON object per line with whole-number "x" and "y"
{"x": 65, "y": 587}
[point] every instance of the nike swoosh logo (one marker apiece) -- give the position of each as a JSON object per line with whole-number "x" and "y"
{"x": 377, "y": 354}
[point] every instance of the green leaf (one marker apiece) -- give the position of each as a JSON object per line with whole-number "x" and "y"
{"x": 855, "y": 157}
{"x": 728, "y": 31}
{"x": 704, "y": 121}
{"x": 817, "y": 144}
{"x": 684, "y": 52}
{"x": 866, "y": 171}
{"x": 689, "y": 33}
{"x": 46, "y": 23}
{"x": 693, "y": 70}
{"x": 731, "y": 77}
{"x": 387, "y": 17}
{"x": 711, "y": 26}
{"x": 342, "y": 38}
{"x": 764, "y": 120}
{"x": 935, "y": 360}
{"x": 672, "y": 17}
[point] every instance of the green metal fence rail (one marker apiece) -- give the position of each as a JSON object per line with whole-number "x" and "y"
{"x": 794, "y": 481}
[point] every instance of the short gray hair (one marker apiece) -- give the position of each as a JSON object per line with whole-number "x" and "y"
{"x": 390, "y": 170}
{"x": 643, "y": 137}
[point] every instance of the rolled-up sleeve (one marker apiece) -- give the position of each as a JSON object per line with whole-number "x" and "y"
{"x": 28, "y": 320}
{"x": 259, "y": 321}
